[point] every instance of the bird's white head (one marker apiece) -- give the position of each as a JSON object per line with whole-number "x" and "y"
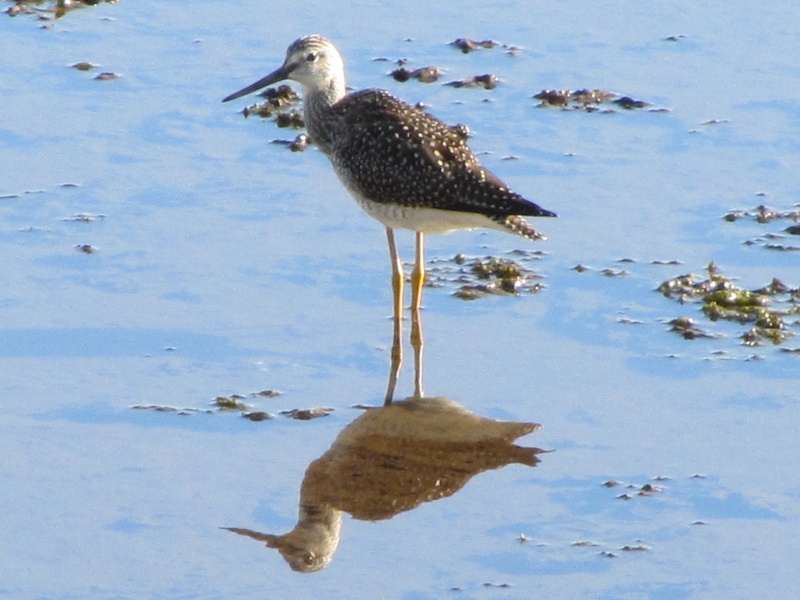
{"x": 312, "y": 61}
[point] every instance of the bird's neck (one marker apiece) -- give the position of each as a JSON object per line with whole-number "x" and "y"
{"x": 317, "y": 103}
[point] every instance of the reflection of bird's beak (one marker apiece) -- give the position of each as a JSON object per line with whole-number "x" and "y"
{"x": 274, "y": 77}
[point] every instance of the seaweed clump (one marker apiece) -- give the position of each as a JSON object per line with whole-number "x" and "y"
{"x": 588, "y": 100}
{"x": 279, "y": 103}
{"x": 479, "y": 277}
{"x": 766, "y": 310}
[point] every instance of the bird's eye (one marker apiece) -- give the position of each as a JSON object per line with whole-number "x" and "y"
{"x": 311, "y": 56}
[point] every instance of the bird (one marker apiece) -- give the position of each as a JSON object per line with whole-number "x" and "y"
{"x": 406, "y": 168}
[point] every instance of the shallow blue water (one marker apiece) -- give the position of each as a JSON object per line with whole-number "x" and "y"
{"x": 225, "y": 264}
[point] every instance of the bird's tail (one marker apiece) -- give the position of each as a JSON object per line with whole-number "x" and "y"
{"x": 520, "y": 226}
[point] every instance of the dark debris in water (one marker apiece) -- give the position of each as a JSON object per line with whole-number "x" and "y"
{"x": 763, "y": 215}
{"x": 50, "y": 9}
{"x": 467, "y": 45}
{"x": 107, "y": 76}
{"x": 84, "y": 66}
{"x": 715, "y": 122}
{"x": 616, "y": 272}
{"x": 164, "y": 408}
{"x": 487, "y": 584}
{"x": 306, "y": 414}
{"x": 793, "y": 230}
{"x": 782, "y": 247}
{"x": 635, "y": 489}
{"x": 298, "y": 144}
{"x": 233, "y": 402}
{"x": 237, "y": 404}
{"x": 423, "y": 74}
{"x": 687, "y": 328}
{"x": 609, "y": 272}
{"x": 648, "y": 489}
{"x": 277, "y": 100}
{"x": 486, "y": 81}
{"x": 629, "y": 321}
{"x": 84, "y": 218}
{"x": 584, "y": 544}
{"x": 478, "y": 277}
{"x": 767, "y": 311}
{"x": 281, "y": 104}
{"x": 563, "y": 98}
{"x": 257, "y": 416}
{"x": 589, "y": 100}
{"x": 629, "y": 103}
{"x": 290, "y": 120}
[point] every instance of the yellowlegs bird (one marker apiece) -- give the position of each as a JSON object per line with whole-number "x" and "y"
{"x": 405, "y": 168}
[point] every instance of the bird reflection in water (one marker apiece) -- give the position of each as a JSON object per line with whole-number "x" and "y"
{"x": 391, "y": 459}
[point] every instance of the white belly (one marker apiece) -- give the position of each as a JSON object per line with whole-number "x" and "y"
{"x": 427, "y": 220}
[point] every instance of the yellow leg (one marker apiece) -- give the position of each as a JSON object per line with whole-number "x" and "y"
{"x": 417, "y": 283}
{"x": 398, "y": 278}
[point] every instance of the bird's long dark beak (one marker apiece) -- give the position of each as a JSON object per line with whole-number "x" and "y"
{"x": 274, "y": 77}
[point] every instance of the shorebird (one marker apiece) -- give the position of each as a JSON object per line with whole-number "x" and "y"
{"x": 405, "y": 167}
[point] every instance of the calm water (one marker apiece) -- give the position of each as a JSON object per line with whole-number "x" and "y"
{"x": 224, "y": 264}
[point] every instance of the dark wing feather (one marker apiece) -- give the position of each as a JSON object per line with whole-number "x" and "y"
{"x": 391, "y": 152}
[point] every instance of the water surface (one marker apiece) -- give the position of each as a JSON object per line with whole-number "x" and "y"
{"x": 224, "y": 264}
